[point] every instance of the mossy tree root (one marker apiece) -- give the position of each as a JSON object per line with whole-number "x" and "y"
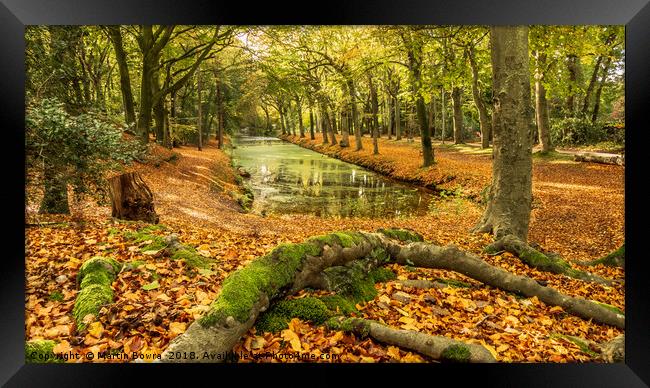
{"x": 614, "y": 259}
{"x": 95, "y": 278}
{"x": 453, "y": 259}
{"x": 327, "y": 262}
{"x": 543, "y": 262}
{"x": 436, "y": 347}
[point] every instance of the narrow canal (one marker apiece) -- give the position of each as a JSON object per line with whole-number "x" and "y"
{"x": 287, "y": 178}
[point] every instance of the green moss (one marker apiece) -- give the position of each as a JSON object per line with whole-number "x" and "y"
{"x": 350, "y": 325}
{"x": 539, "y": 260}
{"x": 456, "y": 353}
{"x": 145, "y": 234}
{"x": 344, "y": 239}
{"x": 307, "y": 309}
{"x": 89, "y": 301}
{"x": 453, "y": 283}
{"x": 351, "y": 282}
{"x": 339, "y": 305}
{"x": 403, "y": 235}
{"x": 192, "y": 258}
{"x": 381, "y": 275}
{"x": 40, "y": 351}
{"x": 97, "y": 277}
{"x": 610, "y": 307}
{"x": 133, "y": 265}
{"x": 56, "y": 296}
{"x": 157, "y": 243}
{"x": 584, "y": 346}
{"x": 268, "y": 274}
{"x": 614, "y": 259}
{"x": 98, "y": 263}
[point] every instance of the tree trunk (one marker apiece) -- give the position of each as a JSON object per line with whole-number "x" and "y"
{"x": 312, "y": 135}
{"x": 131, "y": 198}
{"x": 573, "y": 69}
{"x": 458, "y": 115}
{"x": 158, "y": 109}
{"x": 324, "y": 123}
{"x": 125, "y": 79}
{"x": 590, "y": 88}
{"x": 354, "y": 120}
{"x": 374, "y": 105}
{"x": 398, "y": 121}
{"x": 199, "y": 121}
{"x": 300, "y": 122}
{"x": 55, "y": 198}
{"x": 541, "y": 106}
{"x": 220, "y": 114}
{"x": 594, "y": 115}
{"x": 329, "y": 262}
{"x": 483, "y": 117}
{"x": 444, "y": 114}
{"x": 331, "y": 120}
{"x": 510, "y": 196}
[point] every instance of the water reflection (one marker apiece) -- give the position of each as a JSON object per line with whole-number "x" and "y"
{"x": 287, "y": 178}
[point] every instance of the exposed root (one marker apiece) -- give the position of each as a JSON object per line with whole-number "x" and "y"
{"x": 544, "y": 262}
{"x": 333, "y": 262}
{"x": 436, "y": 347}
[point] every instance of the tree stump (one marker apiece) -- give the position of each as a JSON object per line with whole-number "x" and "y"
{"x": 132, "y": 199}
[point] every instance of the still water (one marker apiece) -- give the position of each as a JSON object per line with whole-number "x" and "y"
{"x": 287, "y": 178}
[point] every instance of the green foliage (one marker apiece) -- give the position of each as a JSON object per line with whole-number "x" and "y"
{"x": 576, "y": 130}
{"x": 75, "y": 150}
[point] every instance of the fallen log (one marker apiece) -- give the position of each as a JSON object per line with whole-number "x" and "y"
{"x": 323, "y": 263}
{"x": 599, "y": 158}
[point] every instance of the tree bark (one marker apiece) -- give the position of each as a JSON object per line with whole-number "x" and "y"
{"x": 573, "y": 64}
{"x": 510, "y": 196}
{"x": 131, "y": 198}
{"x": 312, "y": 135}
{"x": 374, "y": 104}
{"x": 125, "y": 79}
{"x": 590, "y": 88}
{"x": 603, "y": 78}
{"x": 458, "y": 115}
{"x": 541, "y": 105}
{"x": 398, "y": 121}
{"x": 483, "y": 117}
{"x": 199, "y": 121}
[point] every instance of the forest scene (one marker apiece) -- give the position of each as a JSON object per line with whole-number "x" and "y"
{"x": 334, "y": 194}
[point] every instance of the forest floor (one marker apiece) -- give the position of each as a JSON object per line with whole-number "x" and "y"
{"x": 578, "y": 212}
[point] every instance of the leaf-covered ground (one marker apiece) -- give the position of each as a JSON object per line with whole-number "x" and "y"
{"x": 578, "y": 213}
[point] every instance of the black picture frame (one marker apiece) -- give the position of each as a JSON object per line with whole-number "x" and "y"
{"x": 16, "y": 14}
